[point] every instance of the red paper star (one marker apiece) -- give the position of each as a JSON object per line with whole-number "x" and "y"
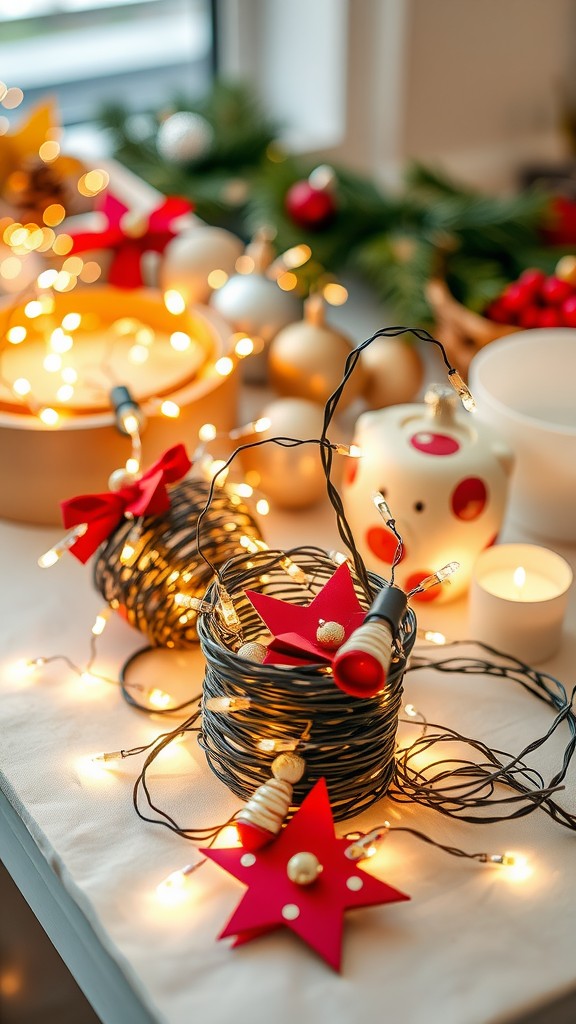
{"x": 314, "y": 912}
{"x": 294, "y": 626}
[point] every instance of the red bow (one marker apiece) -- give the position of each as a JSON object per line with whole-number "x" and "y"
{"x": 145, "y": 497}
{"x": 131, "y": 240}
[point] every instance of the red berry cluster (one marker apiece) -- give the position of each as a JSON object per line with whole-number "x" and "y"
{"x": 535, "y": 300}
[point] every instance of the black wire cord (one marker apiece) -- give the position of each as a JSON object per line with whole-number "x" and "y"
{"x": 339, "y": 741}
{"x": 470, "y": 790}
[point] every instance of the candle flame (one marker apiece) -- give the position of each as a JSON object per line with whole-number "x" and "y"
{"x": 519, "y": 577}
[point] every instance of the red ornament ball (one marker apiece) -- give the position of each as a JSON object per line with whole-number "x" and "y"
{"x": 309, "y": 207}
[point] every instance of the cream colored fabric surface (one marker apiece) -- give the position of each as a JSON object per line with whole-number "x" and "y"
{"x": 471, "y": 947}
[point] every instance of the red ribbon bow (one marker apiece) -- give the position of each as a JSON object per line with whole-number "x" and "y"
{"x": 131, "y": 240}
{"x": 145, "y": 497}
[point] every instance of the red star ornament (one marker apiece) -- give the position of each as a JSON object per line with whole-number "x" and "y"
{"x": 294, "y": 626}
{"x": 315, "y": 912}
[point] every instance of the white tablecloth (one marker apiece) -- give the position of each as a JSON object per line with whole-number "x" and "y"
{"x": 471, "y": 947}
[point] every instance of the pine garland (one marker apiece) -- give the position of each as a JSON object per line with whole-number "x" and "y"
{"x": 397, "y": 242}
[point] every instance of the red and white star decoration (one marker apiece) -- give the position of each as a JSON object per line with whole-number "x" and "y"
{"x": 314, "y": 911}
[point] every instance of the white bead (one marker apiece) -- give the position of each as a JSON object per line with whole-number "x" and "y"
{"x": 289, "y": 767}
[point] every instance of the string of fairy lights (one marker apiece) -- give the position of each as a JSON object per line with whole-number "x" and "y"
{"x": 241, "y": 732}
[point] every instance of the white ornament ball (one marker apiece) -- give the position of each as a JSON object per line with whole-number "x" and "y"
{"x": 256, "y": 305}
{"x": 120, "y": 478}
{"x": 191, "y": 257}
{"x": 184, "y": 137}
{"x": 291, "y": 477}
{"x": 394, "y": 372}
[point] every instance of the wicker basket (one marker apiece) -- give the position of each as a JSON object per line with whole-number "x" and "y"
{"x": 462, "y": 332}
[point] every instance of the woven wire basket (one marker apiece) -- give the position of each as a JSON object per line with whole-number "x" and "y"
{"x": 166, "y": 560}
{"x": 348, "y": 741}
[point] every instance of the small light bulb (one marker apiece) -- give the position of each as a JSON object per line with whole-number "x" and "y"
{"x": 89, "y": 679}
{"x": 228, "y": 611}
{"x": 224, "y": 366}
{"x": 101, "y": 622}
{"x": 382, "y": 506}
{"x": 71, "y": 321}
{"x": 338, "y": 557}
{"x": 127, "y": 553}
{"x": 21, "y": 387}
{"x": 270, "y": 746}
{"x": 33, "y": 309}
{"x": 194, "y": 603}
{"x": 207, "y": 432}
{"x": 367, "y": 845}
{"x": 180, "y": 341}
{"x": 24, "y": 668}
{"x": 517, "y": 866}
{"x": 437, "y": 577}
{"x": 253, "y": 545}
{"x": 16, "y": 335}
{"x": 294, "y": 571}
{"x": 174, "y": 301}
{"x": 227, "y": 704}
{"x": 138, "y": 354}
{"x": 53, "y": 555}
{"x": 262, "y": 507}
{"x": 173, "y": 890}
{"x": 170, "y": 409}
{"x": 218, "y": 468}
{"x": 65, "y": 392}
{"x": 130, "y": 423}
{"x": 105, "y": 758}
{"x": 159, "y": 698}
{"x": 52, "y": 362}
{"x": 244, "y": 347}
{"x": 242, "y": 489}
{"x": 432, "y": 636}
{"x": 49, "y": 417}
{"x": 462, "y": 390}
{"x": 132, "y": 466}
{"x": 351, "y": 450}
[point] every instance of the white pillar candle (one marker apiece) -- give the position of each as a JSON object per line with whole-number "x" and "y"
{"x": 518, "y": 600}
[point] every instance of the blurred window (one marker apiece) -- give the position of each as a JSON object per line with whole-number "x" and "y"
{"x": 91, "y": 52}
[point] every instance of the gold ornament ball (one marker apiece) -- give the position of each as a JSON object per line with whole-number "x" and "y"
{"x": 291, "y": 477}
{"x": 307, "y": 359}
{"x": 288, "y": 767}
{"x": 303, "y": 868}
{"x": 566, "y": 269}
{"x": 192, "y": 255}
{"x": 394, "y": 372}
{"x": 330, "y": 635}
{"x": 252, "y": 651}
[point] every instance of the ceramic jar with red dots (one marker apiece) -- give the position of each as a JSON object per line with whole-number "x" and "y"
{"x": 444, "y": 477}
